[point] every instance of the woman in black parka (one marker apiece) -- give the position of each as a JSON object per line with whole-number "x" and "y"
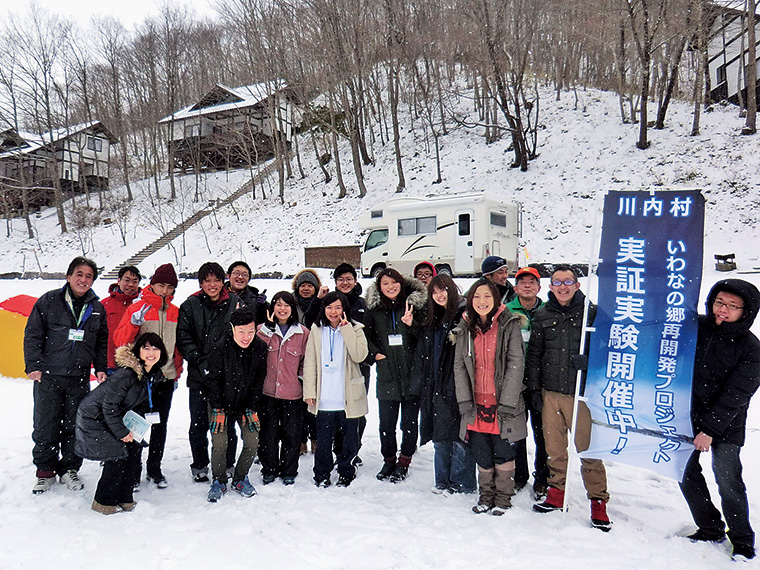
{"x": 100, "y": 431}
{"x": 434, "y": 369}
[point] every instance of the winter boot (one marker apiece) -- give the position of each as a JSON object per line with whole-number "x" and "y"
{"x": 745, "y": 551}
{"x": 599, "y": 518}
{"x": 401, "y": 470}
{"x": 487, "y": 489}
{"x": 128, "y": 507}
{"x": 105, "y": 509}
{"x": 707, "y": 536}
{"x": 200, "y": 475}
{"x": 43, "y": 484}
{"x": 505, "y": 487}
{"x": 387, "y": 469}
{"x": 553, "y": 502}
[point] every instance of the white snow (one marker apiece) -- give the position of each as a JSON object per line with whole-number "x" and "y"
{"x": 372, "y": 524}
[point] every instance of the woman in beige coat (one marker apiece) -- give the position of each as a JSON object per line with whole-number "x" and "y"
{"x": 333, "y": 387}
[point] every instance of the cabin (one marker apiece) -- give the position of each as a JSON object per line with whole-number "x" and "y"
{"x": 76, "y": 156}
{"x": 231, "y": 127}
{"x": 727, "y": 52}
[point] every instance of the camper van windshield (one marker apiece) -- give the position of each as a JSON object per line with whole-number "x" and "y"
{"x": 376, "y": 238}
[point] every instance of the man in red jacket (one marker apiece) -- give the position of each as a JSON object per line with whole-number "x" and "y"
{"x": 153, "y": 311}
{"x": 120, "y": 296}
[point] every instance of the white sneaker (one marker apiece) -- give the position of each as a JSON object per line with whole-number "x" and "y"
{"x": 72, "y": 481}
{"x": 42, "y": 485}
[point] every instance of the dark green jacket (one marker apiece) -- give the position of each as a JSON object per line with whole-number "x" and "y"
{"x": 393, "y": 372}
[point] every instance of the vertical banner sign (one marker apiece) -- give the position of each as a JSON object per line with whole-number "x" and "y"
{"x": 641, "y": 355}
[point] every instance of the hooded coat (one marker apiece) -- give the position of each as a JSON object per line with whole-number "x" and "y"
{"x": 508, "y": 376}
{"x": 393, "y": 372}
{"x": 100, "y": 424}
{"x": 726, "y": 367}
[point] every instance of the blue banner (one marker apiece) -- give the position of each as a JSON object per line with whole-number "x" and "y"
{"x": 641, "y": 354}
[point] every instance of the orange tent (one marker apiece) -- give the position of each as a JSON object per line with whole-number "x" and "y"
{"x": 13, "y": 315}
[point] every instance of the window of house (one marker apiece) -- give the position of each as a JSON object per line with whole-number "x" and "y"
{"x": 192, "y": 131}
{"x": 94, "y": 143}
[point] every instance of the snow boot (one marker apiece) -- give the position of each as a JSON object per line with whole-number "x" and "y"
{"x": 553, "y": 502}
{"x": 128, "y": 507}
{"x": 599, "y": 518}
{"x": 43, "y": 484}
{"x": 387, "y": 469}
{"x": 743, "y": 551}
{"x": 401, "y": 470}
{"x": 487, "y": 489}
{"x": 707, "y": 536}
{"x": 505, "y": 487}
{"x": 105, "y": 509}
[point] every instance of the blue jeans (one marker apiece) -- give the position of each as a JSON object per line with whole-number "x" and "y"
{"x": 454, "y": 466}
{"x": 727, "y": 468}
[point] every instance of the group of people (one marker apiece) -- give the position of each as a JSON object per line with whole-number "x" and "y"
{"x": 467, "y": 372}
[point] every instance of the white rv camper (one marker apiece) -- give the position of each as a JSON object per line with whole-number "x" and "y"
{"x": 455, "y": 233}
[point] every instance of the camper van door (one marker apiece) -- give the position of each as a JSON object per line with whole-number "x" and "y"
{"x": 464, "y": 249}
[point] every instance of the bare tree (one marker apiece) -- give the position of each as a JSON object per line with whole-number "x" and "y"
{"x": 750, "y": 126}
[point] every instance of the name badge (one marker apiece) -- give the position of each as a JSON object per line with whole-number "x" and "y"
{"x": 525, "y": 335}
{"x": 395, "y": 340}
{"x": 332, "y": 365}
{"x": 76, "y": 334}
{"x": 153, "y": 418}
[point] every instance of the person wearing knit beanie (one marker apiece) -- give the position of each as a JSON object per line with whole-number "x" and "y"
{"x": 165, "y": 274}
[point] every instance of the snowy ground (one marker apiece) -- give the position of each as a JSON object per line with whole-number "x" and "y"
{"x": 372, "y": 525}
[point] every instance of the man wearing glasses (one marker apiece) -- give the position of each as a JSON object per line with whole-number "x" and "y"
{"x": 238, "y": 282}
{"x": 552, "y": 363}
{"x": 726, "y": 375}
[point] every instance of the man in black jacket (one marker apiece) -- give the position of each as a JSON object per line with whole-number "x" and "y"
{"x": 726, "y": 375}
{"x": 552, "y": 362}
{"x": 237, "y": 368}
{"x": 65, "y": 335}
{"x": 203, "y": 321}
{"x": 239, "y": 282}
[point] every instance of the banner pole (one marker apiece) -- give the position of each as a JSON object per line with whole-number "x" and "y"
{"x": 593, "y": 261}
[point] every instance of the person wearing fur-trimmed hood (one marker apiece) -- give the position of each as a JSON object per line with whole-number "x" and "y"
{"x": 100, "y": 431}
{"x": 395, "y": 308}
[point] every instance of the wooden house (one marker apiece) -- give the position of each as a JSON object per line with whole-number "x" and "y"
{"x": 230, "y": 127}
{"x": 727, "y": 51}
{"x": 77, "y": 157}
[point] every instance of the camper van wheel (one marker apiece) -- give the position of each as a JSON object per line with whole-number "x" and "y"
{"x": 445, "y": 269}
{"x": 376, "y": 270}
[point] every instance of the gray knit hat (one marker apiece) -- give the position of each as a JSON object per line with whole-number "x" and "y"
{"x": 307, "y": 277}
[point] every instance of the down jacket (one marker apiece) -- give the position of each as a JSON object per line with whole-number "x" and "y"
{"x": 100, "y": 424}
{"x": 508, "y": 376}
{"x": 393, "y": 372}
{"x": 47, "y": 347}
{"x": 116, "y": 304}
{"x": 726, "y": 367}
{"x": 439, "y": 410}
{"x": 201, "y": 325}
{"x": 552, "y": 357}
{"x": 236, "y": 375}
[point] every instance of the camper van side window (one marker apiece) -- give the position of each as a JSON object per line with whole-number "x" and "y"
{"x": 414, "y": 226}
{"x": 498, "y": 219}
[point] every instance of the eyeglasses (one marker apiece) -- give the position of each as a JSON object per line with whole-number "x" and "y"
{"x": 421, "y": 274}
{"x": 729, "y": 306}
{"x": 239, "y": 274}
{"x": 567, "y": 282}
{"x": 345, "y": 280}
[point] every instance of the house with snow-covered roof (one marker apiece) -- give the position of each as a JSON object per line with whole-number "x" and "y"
{"x": 76, "y": 156}
{"x": 231, "y": 126}
{"x": 727, "y": 51}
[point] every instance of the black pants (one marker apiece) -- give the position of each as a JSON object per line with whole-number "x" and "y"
{"x": 308, "y": 424}
{"x": 56, "y": 399}
{"x": 389, "y": 411}
{"x": 328, "y": 423}
{"x": 522, "y": 472}
{"x": 115, "y": 485}
{"x": 280, "y": 436}
{"x": 490, "y": 450}
{"x": 162, "y": 403}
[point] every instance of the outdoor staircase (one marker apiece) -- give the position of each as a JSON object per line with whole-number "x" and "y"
{"x": 177, "y": 231}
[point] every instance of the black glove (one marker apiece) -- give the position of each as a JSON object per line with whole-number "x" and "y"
{"x": 534, "y": 401}
{"x": 579, "y": 361}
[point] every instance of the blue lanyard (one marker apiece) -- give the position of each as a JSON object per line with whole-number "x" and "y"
{"x": 332, "y": 343}
{"x": 393, "y": 319}
{"x": 150, "y": 394}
